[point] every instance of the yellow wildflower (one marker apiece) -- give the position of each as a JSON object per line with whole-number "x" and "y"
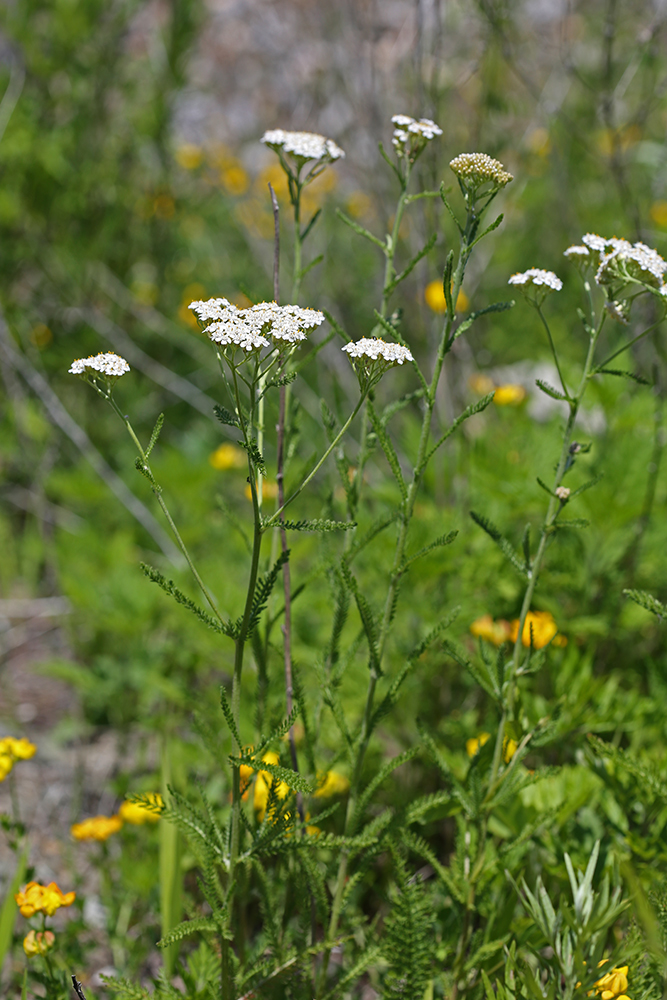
{"x": 269, "y": 490}
{"x": 6, "y": 764}
{"x": 481, "y": 383}
{"x": 474, "y": 745}
{"x": 13, "y": 749}
{"x": 509, "y": 395}
{"x": 234, "y": 179}
{"x": 19, "y": 749}
{"x": 227, "y": 456}
{"x": 38, "y": 942}
{"x": 189, "y": 156}
{"x": 331, "y": 783}
{"x": 496, "y": 632}
{"x": 543, "y": 627}
{"x": 37, "y": 898}
{"x": 263, "y": 787}
{"x": 435, "y": 298}
{"x": 136, "y": 813}
{"x": 612, "y": 985}
{"x": 96, "y": 828}
{"x": 658, "y": 213}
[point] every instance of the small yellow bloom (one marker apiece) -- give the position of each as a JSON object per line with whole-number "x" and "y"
{"x": 658, "y": 213}
{"x": 227, "y": 456}
{"x": 269, "y": 490}
{"x": 614, "y": 984}
{"x": 474, "y": 745}
{"x": 234, "y": 179}
{"x": 543, "y": 627}
{"x": 435, "y": 298}
{"x": 189, "y": 156}
{"x": 134, "y": 812}
{"x": 359, "y": 205}
{"x": 263, "y": 787}
{"x": 509, "y": 395}
{"x": 37, "y": 898}
{"x": 331, "y": 783}
{"x": 41, "y": 336}
{"x": 38, "y": 942}
{"x": 509, "y": 748}
{"x": 96, "y": 828}
{"x": 496, "y": 632}
{"x": 6, "y": 764}
{"x": 19, "y": 749}
{"x": 481, "y": 383}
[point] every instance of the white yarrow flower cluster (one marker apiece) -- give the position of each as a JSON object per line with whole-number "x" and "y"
{"x": 374, "y": 349}
{"x": 249, "y": 328}
{"x": 475, "y": 169}
{"x": 538, "y": 277}
{"x": 411, "y": 134}
{"x": 111, "y": 365}
{"x": 578, "y": 254}
{"x": 618, "y": 259}
{"x": 304, "y": 145}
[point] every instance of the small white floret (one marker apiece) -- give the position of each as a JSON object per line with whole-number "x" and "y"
{"x": 110, "y": 364}
{"x": 537, "y": 276}
{"x": 374, "y": 348}
{"x": 306, "y": 145}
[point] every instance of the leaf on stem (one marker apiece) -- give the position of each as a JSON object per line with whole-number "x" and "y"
{"x": 318, "y": 524}
{"x": 439, "y": 542}
{"x": 450, "y": 210}
{"x": 256, "y": 457}
{"x": 469, "y": 411}
{"x": 388, "y": 449}
{"x": 155, "y": 435}
{"x": 447, "y": 282}
{"x": 291, "y": 778}
{"x": 308, "y": 229}
{"x": 622, "y": 374}
{"x": 229, "y": 716}
{"x": 503, "y": 544}
{"x": 399, "y": 404}
{"x": 549, "y": 390}
{"x": 367, "y": 618}
{"x": 648, "y": 602}
{"x": 225, "y": 628}
{"x": 494, "y": 308}
{"x": 224, "y": 416}
{"x": 263, "y": 589}
{"x": 360, "y": 229}
{"x": 426, "y": 249}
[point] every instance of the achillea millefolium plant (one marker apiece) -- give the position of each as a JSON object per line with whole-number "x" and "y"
{"x": 313, "y": 881}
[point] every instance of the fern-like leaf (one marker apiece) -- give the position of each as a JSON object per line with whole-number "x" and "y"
{"x": 503, "y": 544}
{"x": 225, "y": 628}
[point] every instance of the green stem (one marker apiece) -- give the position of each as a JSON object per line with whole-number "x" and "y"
{"x": 170, "y": 521}
{"x": 395, "y": 575}
{"x": 275, "y": 518}
{"x": 296, "y": 280}
{"x": 552, "y": 511}
{"x": 553, "y": 352}
{"x": 390, "y": 246}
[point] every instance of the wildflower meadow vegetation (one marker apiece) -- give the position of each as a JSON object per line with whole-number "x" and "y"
{"x": 341, "y": 458}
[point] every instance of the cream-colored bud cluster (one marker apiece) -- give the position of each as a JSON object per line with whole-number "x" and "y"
{"x": 411, "y": 134}
{"x": 249, "y": 328}
{"x": 618, "y": 259}
{"x": 374, "y": 349}
{"x": 304, "y": 145}
{"x": 110, "y": 364}
{"x": 475, "y": 169}
{"x": 547, "y": 280}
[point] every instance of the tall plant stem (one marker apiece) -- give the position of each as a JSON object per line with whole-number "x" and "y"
{"x": 554, "y": 508}
{"x": 390, "y": 251}
{"x": 170, "y": 521}
{"x": 240, "y": 643}
{"x": 405, "y": 517}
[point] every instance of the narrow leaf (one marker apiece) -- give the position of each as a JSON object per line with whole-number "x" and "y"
{"x": 500, "y": 540}
{"x": 155, "y": 435}
{"x": 359, "y": 229}
{"x": 467, "y": 323}
{"x": 225, "y": 628}
{"x": 549, "y": 389}
{"x": 224, "y": 416}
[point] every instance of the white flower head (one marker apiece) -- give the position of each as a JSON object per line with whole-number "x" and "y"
{"x": 250, "y": 328}
{"x": 536, "y": 276}
{"x": 474, "y": 170}
{"x": 372, "y": 357}
{"x": 623, "y": 262}
{"x": 580, "y": 256}
{"x": 411, "y": 135}
{"x": 618, "y": 311}
{"x": 109, "y": 365}
{"x": 563, "y": 493}
{"x": 303, "y": 145}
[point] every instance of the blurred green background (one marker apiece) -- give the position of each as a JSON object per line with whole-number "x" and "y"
{"x": 132, "y": 180}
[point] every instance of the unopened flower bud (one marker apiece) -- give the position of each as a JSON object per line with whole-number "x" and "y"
{"x": 563, "y": 493}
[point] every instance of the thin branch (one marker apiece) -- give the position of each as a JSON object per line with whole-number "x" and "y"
{"x": 62, "y": 419}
